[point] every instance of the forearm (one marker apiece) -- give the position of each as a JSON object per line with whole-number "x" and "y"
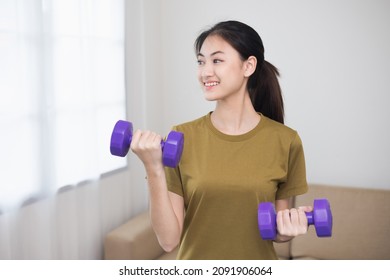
{"x": 163, "y": 217}
{"x": 166, "y": 213}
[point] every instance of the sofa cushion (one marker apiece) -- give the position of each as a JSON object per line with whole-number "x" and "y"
{"x": 361, "y": 225}
{"x": 134, "y": 240}
{"x": 169, "y": 255}
{"x": 283, "y": 250}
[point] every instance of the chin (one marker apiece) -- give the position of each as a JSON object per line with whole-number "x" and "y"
{"x": 211, "y": 99}
{"x": 210, "y": 96}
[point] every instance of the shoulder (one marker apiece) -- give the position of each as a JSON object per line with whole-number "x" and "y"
{"x": 192, "y": 125}
{"x": 282, "y": 134}
{"x": 278, "y": 128}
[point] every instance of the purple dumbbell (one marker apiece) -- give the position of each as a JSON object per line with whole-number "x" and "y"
{"x": 320, "y": 217}
{"x": 122, "y": 134}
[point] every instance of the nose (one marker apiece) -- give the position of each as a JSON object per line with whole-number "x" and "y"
{"x": 206, "y": 70}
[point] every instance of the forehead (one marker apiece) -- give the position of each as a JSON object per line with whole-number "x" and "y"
{"x": 214, "y": 44}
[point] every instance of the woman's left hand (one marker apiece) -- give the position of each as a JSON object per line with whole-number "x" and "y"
{"x": 292, "y": 222}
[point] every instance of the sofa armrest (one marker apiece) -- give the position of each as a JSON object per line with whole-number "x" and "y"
{"x": 134, "y": 240}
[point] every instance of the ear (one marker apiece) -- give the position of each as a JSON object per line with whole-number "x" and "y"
{"x": 250, "y": 66}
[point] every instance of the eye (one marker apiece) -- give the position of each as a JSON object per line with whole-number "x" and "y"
{"x": 200, "y": 62}
{"x": 216, "y": 61}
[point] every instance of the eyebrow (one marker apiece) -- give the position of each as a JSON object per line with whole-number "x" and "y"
{"x": 214, "y": 53}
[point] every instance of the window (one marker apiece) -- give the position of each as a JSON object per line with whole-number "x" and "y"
{"x": 62, "y": 88}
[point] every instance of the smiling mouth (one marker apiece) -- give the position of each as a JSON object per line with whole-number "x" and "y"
{"x": 211, "y": 84}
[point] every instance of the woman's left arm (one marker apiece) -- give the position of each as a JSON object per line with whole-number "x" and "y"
{"x": 291, "y": 222}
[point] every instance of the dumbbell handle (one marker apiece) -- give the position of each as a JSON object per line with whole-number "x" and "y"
{"x": 320, "y": 215}
{"x": 130, "y": 138}
{"x": 310, "y": 217}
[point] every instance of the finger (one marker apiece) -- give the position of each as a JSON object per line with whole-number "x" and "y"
{"x": 146, "y": 139}
{"x": 135, "y": 140}
{"x": 294, "y": 216}
{"x": 302, "y": 216}
{"x": 153, "y": 140}
{"x": 302, "y": 227}
{"x": 298, "y": 221}
{"x": 156, "y": 138}
{"x": 279, "y": 221}
{"x": 143, "y": 140}
{"x": 284, "y": 222}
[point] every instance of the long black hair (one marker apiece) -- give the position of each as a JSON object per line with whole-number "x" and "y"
{"x": 263, "y": 85}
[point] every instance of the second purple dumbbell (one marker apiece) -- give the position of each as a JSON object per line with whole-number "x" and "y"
{"x": 122, "y": 135}
{"x": 320, "y": 217}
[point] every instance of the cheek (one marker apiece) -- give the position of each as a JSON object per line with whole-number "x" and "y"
{"x": 235, "y": 80}
{"x": 199, "y": 75}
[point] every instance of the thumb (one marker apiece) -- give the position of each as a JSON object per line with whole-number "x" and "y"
{"x": 306, "y": 208}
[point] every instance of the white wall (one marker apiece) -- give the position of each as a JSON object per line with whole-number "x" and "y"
{"x": 334, "y": 61}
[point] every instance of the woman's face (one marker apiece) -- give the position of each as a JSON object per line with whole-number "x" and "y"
{"x": 221, "y": 71}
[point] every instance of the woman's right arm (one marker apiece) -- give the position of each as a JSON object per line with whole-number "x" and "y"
{"x": 166, "y": 208}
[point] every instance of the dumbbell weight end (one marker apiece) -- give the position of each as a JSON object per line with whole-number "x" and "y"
{"x": 121, "y": 138}
{"x": 321, "y": 218}
{"x": 172, "y": 148}
{"x": 266, "y": 218}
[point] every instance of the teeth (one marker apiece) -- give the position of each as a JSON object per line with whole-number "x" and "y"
{"x": 211, "y": 84}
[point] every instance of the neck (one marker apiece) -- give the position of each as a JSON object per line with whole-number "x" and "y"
{"x": 235, "y": 117}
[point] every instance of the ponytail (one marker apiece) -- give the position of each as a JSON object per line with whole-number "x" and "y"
{"x": 265, "y": 93}
{"x": 263, "y": 85}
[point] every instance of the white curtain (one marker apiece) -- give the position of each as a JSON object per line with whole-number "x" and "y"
{"x": 61, "y": 90}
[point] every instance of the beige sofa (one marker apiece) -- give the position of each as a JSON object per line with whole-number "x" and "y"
{"x": 361, "y": 230}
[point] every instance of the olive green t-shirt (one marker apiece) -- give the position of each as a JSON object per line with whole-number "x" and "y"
{"x": 223, "y": 178}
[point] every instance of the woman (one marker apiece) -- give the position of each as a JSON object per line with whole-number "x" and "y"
{"x": 235, "y": 157}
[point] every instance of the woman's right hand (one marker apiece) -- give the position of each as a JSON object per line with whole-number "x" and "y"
{"x": 147, "y": 146}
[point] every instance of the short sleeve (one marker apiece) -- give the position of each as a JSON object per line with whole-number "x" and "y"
{"x": 173, "y": 178}
{"x": 296, "y": 182}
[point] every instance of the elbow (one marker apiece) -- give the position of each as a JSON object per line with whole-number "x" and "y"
{"x": 169, "y": 249}
{"x": 169, "y": 246}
